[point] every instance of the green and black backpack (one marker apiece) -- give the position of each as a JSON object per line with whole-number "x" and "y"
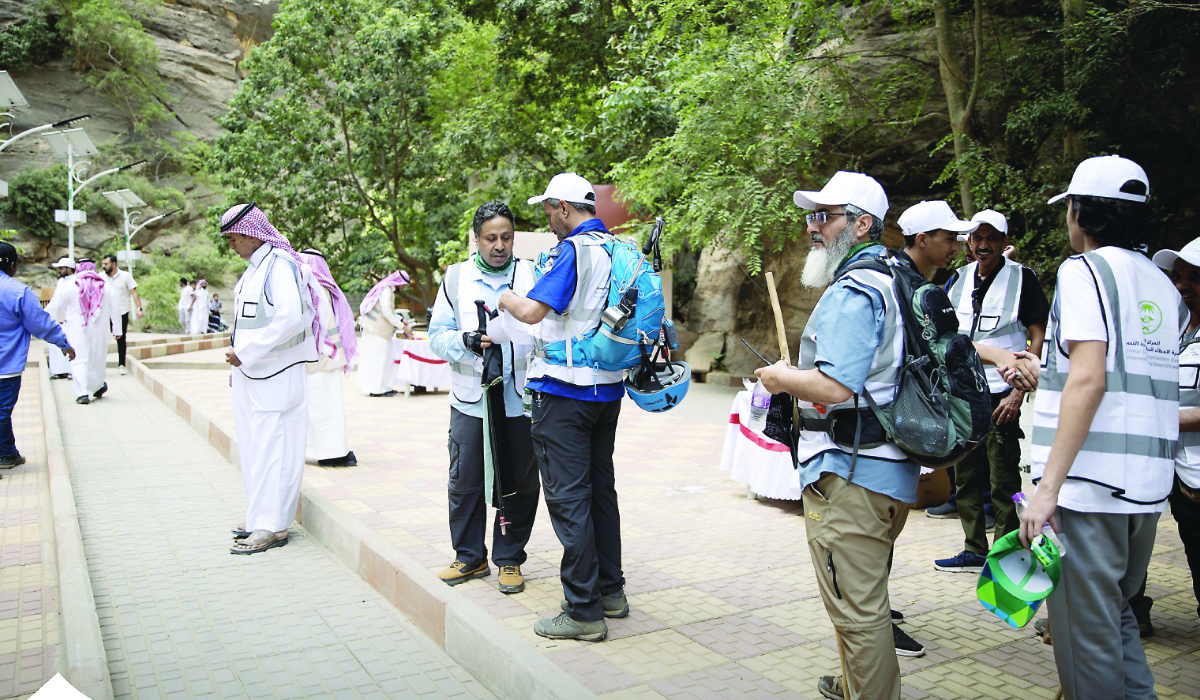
{"x": 942, "y": 409}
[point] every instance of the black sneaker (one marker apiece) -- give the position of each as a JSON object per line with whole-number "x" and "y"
{"x": 10, "y": 462}
{"x": 101, "y": 390}
{"x": 348, "y": 461}
{"x": 83, "y": 400}
{"x": 897, "y": 616}
{"x": 906, "y": 645}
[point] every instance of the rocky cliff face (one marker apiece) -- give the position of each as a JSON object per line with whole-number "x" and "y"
{"x": 201, "y": 44}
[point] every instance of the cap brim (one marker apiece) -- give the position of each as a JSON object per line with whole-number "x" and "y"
{"x": 1166, "y": 258}
{"x": 963, "y": 226}
{"x": 537, "y": 200}
{"x": 1058, "y": 198}
{"x": 807, "y": 199}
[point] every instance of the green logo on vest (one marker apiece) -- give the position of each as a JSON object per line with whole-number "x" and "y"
{"x": 1152, "y": 316}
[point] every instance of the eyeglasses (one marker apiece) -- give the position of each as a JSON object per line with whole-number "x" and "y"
{"x": 821, "y": 217}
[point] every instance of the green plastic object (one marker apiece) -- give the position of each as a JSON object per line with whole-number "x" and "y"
{"x": 1015, "y": 580}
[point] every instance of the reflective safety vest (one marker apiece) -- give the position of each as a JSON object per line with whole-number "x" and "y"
{"x": 254, "y": 312}
{"x": 461, "y": 285}
{"x": 1187, "y": 452}
{"x": 593, "y": 271}
{"x": 997, "y": 323}
{"x": 1129, "y": 451}
{"x": 882, "y": 380}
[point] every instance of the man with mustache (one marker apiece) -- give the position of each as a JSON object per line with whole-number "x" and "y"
{"x": 931, "y": 233}
{"x": 1000, "y": 304}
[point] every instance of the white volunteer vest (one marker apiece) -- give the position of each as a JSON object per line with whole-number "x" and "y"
{"x": 882, "y": 380}
{"x": 593, "y": 270}
{"x": 462, "y": 281}
{"x": 998, "y": 322}
{"x": 254, "y": 312}
{"x": 1130, "y": 448}
{"x": 1187, "y": 452}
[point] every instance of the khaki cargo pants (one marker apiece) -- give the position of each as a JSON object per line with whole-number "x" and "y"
{"x": 850, "y": 535}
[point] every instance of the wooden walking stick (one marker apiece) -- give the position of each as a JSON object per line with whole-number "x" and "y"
{"x": 784, "y": 354}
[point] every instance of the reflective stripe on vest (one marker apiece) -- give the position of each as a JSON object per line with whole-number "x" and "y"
{"x": 1187, "y": 454}
{"x": 1131, "y": 444}
{"x": 593, "y": 272}
{"x": 998, "y": 323}
{"x": 882, "y": 380}
{"x": 250, "y": 317}
{"x": 466, "y": 379}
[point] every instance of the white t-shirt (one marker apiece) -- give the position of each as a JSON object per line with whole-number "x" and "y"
{"x": 121, "y": 284}
{"x": 185, "y": 296}
{"x": 1083, "y": 318}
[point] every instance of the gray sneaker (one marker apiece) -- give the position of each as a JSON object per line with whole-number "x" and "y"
{"x": 615, "y": 605}
{"x": 949, "y": 509}
{"x": 564, "y": 627}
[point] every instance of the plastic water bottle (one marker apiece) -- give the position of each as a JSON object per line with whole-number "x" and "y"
{"x": 527, "y": 402}
{"x": 760, "y": 401}
{"x": 1048, "y": 532}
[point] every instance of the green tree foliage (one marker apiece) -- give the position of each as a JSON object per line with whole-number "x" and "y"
{"x": 33, "y": 195}
{"x": 29, "y": 42}
{"x": 333, "y": 133}
{"x": 158, "y": 277}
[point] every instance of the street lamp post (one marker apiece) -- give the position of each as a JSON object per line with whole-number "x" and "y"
{"x": 10, "y": 96}
{"x": 125, "y": 199}
{"x": 70, "y": 143}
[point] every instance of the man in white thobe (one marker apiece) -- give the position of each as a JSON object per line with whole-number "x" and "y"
{"x": 379, "y": 324}
{"x": 198, "y": 321}
{"x": 83, "y": 304}
{"x": 327, "y": 445}
{"x": 273, "y": 337}
{"x": 60, "y": 365}
{"x": 185, "y": 304}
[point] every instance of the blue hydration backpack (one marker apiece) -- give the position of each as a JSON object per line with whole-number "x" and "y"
{"x": 636, "y": 314}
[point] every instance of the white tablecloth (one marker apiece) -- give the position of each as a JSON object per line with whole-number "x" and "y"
{"x": 417, "y": 365}
{"x": 756, "y": 460}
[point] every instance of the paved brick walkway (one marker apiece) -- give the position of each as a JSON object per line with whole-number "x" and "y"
{"x": 181, "y": 617}
{"x": 721, "y": 588}
{"x": 29, "y": 634}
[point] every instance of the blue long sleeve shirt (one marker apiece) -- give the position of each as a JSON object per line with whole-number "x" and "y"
{"x": 445, "y": 339}
{"x": 20, "y": 317}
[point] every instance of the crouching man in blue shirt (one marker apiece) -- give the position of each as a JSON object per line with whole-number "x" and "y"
{"x": 855, "y": 509}
{"x": 20, "y": 316}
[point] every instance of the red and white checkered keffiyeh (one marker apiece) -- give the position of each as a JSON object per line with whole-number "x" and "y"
{"x": 255, "y": 225}
{"x": 399, "y": 278}
{"x": 91, "y": 289}
{"x": 341, "y": 309}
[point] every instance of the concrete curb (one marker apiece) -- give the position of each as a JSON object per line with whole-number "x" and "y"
{"x": 496, "y": 656}
{"x": 86, "y": 660}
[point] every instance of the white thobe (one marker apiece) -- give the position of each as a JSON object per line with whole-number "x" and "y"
{"x": 59, "y": 364}
{"x": 90, "y": 341}
{"x": 326, "y": 409}
{"x": 185, "y": 301}
{"x": 376, "y": 356}
{"x": 270, "y": 415}
{"x": 198, "y": 320}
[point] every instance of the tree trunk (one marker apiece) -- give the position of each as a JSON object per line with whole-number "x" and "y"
{"x": 1073, "y": 11}
{"x": 960, "y": 94}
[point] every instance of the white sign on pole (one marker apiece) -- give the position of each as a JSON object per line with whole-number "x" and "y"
{"x": 3, "y": 188}
{"x": 79, "y": 216}
{"x": 127, "y": 255}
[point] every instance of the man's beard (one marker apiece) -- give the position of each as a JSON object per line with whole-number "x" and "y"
{"x": 822, "y": 262}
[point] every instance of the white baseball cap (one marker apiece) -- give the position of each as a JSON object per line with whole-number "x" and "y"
{"x": 1108, "y": 176}
{"x": 992, "y": 218}
{"x": 568, "y": 187}
{"x": 863, "y": 191}
{"x": 64, "y": 262}
{"x": 924, "y": 217}
{"x": 1190, "y": 254}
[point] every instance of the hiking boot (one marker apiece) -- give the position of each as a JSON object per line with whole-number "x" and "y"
{"x": 458, "y": 573}
{"x": 615, "y": 605}
{"x": 831, "y": 687}
{"x": 564, "y": 627}
{"x": 949, "y": 509}
{"x": 897, "y": 616}
{"x": 10, "y": 462}
{"x": 101, "y": 390}
{"x": 906, "y": 645}
{"x": 510, "y": 579}
{"x": 964, "y": 562}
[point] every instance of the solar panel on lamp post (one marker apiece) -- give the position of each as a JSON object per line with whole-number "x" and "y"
{"x": 125, "y": 199}
{"x": 10, "y": 96}
{"x": 71, "y": 143}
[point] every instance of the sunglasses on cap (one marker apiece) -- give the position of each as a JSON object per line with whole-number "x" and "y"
{"x": 238, "y": 217}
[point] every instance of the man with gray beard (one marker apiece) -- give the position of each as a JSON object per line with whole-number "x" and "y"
{"x": 855, "y": 505}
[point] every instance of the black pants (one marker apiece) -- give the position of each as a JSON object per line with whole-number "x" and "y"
{"x": 468, "y": 510}
{"x": 121, "y": 340}
{"x": 574, "y": 441}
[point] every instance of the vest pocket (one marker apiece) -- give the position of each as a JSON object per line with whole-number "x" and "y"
{"x": 989, "y": 323}
{"x": 249, "y": 309}
{"x": 1189, "y": 376}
